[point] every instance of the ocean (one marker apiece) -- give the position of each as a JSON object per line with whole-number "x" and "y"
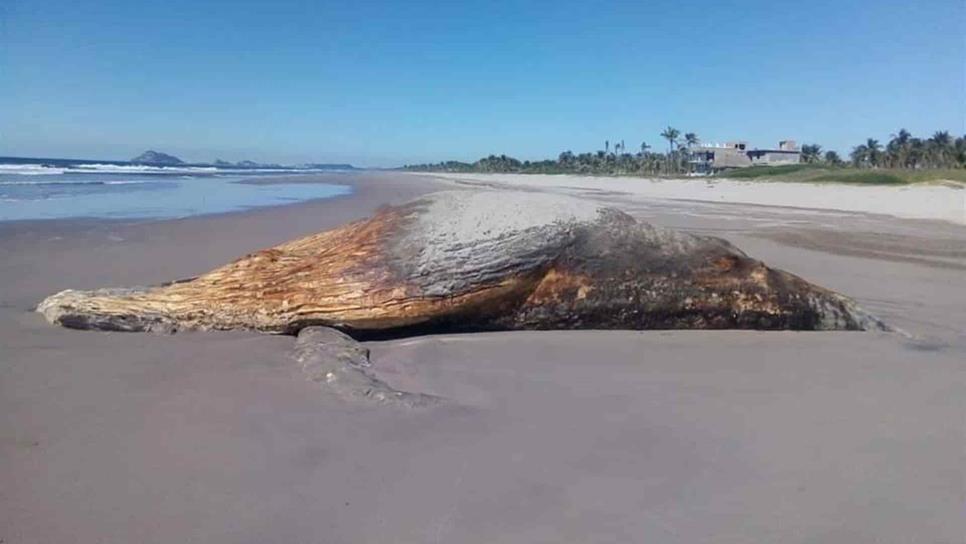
{"x": 64, "y": 188}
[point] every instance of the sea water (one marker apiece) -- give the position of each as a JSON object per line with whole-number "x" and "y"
{"x": 46, "y": 190}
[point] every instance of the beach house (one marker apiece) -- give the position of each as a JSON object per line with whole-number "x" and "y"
{"x": 708, "y": 158}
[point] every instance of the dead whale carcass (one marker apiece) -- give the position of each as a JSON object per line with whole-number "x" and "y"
{"x": 477, "y": 260}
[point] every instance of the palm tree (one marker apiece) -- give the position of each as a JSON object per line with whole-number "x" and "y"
{"x": 918, "y": 152}
{"x": 859, "y": 155}
{"x": 832, "y": 158}
{"x": 897, "y": 150}
{"x": 940, "y": 143}
{"x": 941, "y": 138}
{"x": 691, "y": 139}
{"x": 811, "y": 152}
{"x": 671, "y": 135}
{"x": 873, "y": 151}
{"x": 644, "y": 159}
{"x": 959, "y": 147}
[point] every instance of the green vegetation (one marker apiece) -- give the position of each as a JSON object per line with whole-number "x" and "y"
{"x": 755, "y": 172}
{"x": 613, "y": 160}
{"x": 932, "y": 174}
{"x": 824, "y": 173}
{"x": 888, "y": 176}
{"x": 904, "y": 151}
{"x": 904, "y": 159}
{"x": 863, "y": 177}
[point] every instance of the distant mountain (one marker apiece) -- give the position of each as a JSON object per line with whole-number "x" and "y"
{"x": 327, "y": 166}
{"x": 156, "y": 158}
{"x": 244, "y": 164}
{"x": 253, "y": 164}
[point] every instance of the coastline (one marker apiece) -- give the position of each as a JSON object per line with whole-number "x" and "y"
{"x": 550, "y": 436}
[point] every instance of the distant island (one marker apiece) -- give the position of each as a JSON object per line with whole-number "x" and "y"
{"x": 244, "y": 164}
{"x": 327, "y": 166}
{"x": 156, "y": 158}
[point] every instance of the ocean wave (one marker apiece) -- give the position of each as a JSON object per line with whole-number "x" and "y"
{"x": 30, "y": 170}
{"x": 79, "y": 182}
{"x": 141, "y": 169}
{"x": 37, "y": 169}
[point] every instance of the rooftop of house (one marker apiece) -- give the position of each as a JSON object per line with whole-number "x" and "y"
{"x": 789, "y": 151}
{"x": 784, "y": 146}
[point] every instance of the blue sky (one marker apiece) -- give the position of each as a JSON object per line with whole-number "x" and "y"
{"x": 385, "y": 83}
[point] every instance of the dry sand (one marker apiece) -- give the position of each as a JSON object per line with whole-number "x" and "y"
{"x": 589, "y": 436}
{"x": 945, "y": 201}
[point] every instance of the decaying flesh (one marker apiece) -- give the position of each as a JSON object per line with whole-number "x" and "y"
{"x": 477, "y": 260}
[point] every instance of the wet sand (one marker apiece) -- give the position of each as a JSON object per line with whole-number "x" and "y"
{"x": 588, "y": 436}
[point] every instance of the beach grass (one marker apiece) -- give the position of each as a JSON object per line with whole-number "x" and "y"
{"x": 807, "y": 173}
{"x": 756, "y": 172}
{"x": 861, "y": 177}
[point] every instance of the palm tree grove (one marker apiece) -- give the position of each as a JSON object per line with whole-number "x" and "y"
{"x": 904, "y": 158}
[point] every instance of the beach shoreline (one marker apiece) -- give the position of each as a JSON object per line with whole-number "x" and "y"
{"x": 674, "y": 436}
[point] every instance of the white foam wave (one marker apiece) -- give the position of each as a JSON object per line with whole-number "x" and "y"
{"x": 29, "y": 170}
{"x": 183, "y": 170}
{"x": 78, "y": 182}
{"x": 37, "y": 169}
{"x": 142, "y": 169}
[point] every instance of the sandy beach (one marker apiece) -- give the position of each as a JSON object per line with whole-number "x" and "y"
{"x": 944, "y": 201}
{"x": 588, "y": 436}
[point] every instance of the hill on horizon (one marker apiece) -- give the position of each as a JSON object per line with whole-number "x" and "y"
{"x": 157, "y": 158}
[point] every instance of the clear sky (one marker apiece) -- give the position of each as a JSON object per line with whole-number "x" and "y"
{"x": 384, "y": 83}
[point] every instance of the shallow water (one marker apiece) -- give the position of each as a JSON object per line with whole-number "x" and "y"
{"x": 51, "y": 194}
